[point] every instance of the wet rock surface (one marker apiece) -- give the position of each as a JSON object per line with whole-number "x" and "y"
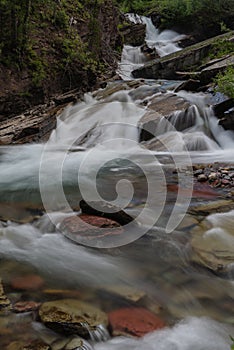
{"x": 133, "y": 34}
{"x": 34, "y": 125}
{"x": 27, "y": 282}
{"x": 225, "y": 112}
{"x": 71, "y": 316}
{"x": 171, "y": 66}
{"x": 161, "y": 106}
{"x": 25, "y": 306}
{"x": 105, "y": 210}
{"x": 212, "y": 243}
{"x": 219, "y": 206}
{"x": 85, "y": 228}
{"x": 134, "y": 321}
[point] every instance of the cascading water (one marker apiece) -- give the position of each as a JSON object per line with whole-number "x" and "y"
{"x": 101, "y": 133}
{"x": 164, "y": 43}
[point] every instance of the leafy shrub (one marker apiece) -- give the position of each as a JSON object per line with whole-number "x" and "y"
{"x": 220, "y": 48}
{"x": 225, "y": 82}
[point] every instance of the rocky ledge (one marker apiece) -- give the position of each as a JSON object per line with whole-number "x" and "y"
{"x": 174, "y": 66}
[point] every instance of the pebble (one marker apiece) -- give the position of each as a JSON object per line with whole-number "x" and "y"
{"x": 202, "y": 178}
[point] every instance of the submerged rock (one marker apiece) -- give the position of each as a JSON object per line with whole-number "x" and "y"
{"x": 105, "y": 210}
{"x": 70, "y": 316}
{"x": 27, "y": 282}
{"x": 134, "y": 321}
{"x": 212, "y": 247}
{"x": 219, "y": 206}
{"x": 25, "y": 306}
{"x": 89, "y": 228}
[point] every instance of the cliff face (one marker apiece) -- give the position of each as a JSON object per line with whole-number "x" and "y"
{"x": 65, "y": 45}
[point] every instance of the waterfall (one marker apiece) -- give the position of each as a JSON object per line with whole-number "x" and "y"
{"x": 164, "y": 43}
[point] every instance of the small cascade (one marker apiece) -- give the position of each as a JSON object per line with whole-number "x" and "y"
{"x": 99, "y": 334}
{"x": 209, "y": 123}
{"x": 164, "y": 43}
{"x": 89, "y": 124}
{"x": 132, "y": 58}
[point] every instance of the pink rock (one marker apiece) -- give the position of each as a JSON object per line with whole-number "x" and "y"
{"x": 134, "y": 321}
{"x": 26, "y": 306}
{"x": 90, "y": 226}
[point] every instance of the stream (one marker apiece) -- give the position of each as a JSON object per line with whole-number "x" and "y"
{"x": 94, "y": 153}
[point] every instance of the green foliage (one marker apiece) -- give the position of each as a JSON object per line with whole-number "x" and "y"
{"x": 221, "y": 48}
{"x": 173, "y": 12}
{"x": 61, "y": 19}
{"x": 76, "y": 56}
{"x": 27, "y": 27}
{"x": 37, "y": 66}
{"x": 224, "y": 28}
{"x": 225, "y": 82}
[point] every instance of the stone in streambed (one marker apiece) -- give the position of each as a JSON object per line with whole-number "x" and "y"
{"x": 202, "y": 178}
{"x": 219, "y": 206}
{"x": 105, "y": 210}
{"x": 134, "y": 321}
{"x": 27, "y": 282}
{"x": 89, "y": 227}
{"x": 70, "y": 316}
{"x": 25, "y": 306}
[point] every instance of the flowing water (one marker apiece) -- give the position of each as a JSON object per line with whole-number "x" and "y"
{"x": 164, "y": 43}
{"x": 94, "y": 153}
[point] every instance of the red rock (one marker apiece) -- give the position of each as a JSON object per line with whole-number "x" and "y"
{"x": 204, "y": 190}
{"x": 200, "y": 190}
{"x": 27, "y": 282}
{"x": 134, "y": 321}
{"x": 26, "y": 306}
{"x": 90, "y": 226}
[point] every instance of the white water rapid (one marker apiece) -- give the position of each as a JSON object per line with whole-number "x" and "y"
{"x": 95, "y": 149}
